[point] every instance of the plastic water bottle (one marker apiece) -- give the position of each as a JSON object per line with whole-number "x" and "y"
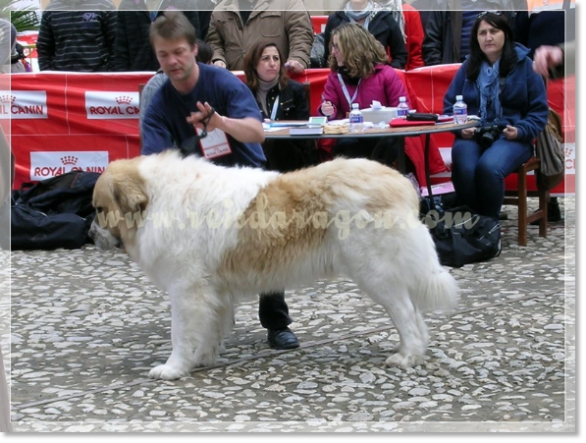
{"x": 356, "y": 119}
{"x": 403, "y": 108}
{"x": 460, "y": 110}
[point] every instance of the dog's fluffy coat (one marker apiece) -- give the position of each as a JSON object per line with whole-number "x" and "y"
{"x": 211, "y": 236}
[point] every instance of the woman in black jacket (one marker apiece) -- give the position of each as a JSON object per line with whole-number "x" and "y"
{"x": 278, "y": 98}
{"x": 378, "y": 22}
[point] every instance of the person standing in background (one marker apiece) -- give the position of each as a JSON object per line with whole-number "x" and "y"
{"x": 410, "y": 23}
{"x": 447, "y": 34}
{"x": 133, "y": 50}
{"x": 380, "y": 23}
{"x": 77, "y": 35}
{"x": 555, "y": 61}
{"x": 236, "y": 25}
{"x": 543, "y": 24}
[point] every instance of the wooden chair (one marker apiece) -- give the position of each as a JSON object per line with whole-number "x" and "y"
{"x": 519, "y": 198}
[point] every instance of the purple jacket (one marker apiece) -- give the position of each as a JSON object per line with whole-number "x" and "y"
{"x": 383, "y": 85}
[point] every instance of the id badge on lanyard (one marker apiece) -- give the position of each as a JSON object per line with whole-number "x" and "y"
{"x": 215, "y": 144}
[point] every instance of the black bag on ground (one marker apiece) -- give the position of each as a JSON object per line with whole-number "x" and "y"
{"x": 54, "y": 213}
{"x": 549, "y": 149}
{"x": 462, "y": 236}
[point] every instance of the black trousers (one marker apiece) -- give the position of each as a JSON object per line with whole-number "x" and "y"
{"x": 273, "y": 311}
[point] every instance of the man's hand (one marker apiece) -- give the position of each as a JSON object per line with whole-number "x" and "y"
{"x": 205, "y": 111}
{"x": 294, "y": 66}
{"x": 219, "y": 64}
{"x": 547, "y": 57}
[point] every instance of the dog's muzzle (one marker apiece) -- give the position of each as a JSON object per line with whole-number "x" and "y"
{"x": 103, "y": 238}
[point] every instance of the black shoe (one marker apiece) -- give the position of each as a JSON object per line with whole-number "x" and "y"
{"x": 554, "y": 213}
{"x": 282, "y": 339}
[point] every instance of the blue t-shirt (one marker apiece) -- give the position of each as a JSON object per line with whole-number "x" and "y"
{"x": 164, "y": 123}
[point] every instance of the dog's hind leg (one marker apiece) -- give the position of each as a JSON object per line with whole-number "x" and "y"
{"x": 394, "y": 297}
{"x": 196, "y": 333}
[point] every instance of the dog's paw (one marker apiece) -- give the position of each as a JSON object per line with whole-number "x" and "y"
{"x": 404, "y": 361}
{"x": 207, "y": 357}
{"x": 166, "y": 372}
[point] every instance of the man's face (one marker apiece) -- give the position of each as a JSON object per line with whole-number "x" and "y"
{"x": 176, "y": 57}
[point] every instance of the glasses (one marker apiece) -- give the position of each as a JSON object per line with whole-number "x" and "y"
{"x": 485, "y": 13}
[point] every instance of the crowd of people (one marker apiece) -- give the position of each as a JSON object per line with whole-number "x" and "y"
{"x": 194, "y": 94}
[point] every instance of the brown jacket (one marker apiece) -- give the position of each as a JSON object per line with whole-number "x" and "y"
{"x": 283, "y": 22}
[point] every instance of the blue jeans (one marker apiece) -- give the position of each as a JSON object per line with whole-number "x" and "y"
{"x": 479, "y": 174}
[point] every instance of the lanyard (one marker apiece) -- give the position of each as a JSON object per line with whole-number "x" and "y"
{"x": 345, "y": 90}
{"x": 274, "y": 111}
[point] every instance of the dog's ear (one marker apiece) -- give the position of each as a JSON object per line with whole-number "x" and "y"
{"x": 129, "y": 193}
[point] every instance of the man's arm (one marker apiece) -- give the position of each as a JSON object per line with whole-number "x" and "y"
{"x": 121, "y": 53}
{"x": 153, "y": 130}
{"x": 245, "y": 130}
{"x": 432, "y": 42}
{"x": 46, "y": 43}
{"x": 111, "y": 20}
{"x": 299, "y": 33}
{"x": 215, "y": 40}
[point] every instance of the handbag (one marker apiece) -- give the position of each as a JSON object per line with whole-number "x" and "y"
{"x": 461, "y": 236}
{"x": 549, "y": 149}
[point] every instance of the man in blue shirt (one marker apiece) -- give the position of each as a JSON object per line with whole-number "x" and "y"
{"x": 198, "y": 97}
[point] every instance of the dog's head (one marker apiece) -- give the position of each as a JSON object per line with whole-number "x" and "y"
{"x": 120, "y": 200}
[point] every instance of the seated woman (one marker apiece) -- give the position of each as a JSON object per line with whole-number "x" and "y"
{"x": 360, "y": 75}
{"x": 278, "y": 98}
{"x": 499, "y": 85}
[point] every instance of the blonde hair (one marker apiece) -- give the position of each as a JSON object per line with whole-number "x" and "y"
{"x": 360, "y": 49}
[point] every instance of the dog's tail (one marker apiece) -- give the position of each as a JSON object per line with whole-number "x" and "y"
{"x": 435, "y": 288}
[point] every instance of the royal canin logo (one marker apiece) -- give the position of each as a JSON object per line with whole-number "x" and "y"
{"x": 69, "y": 160}
{"x": 124, "y": 100}
{"x": 7, "y": 98}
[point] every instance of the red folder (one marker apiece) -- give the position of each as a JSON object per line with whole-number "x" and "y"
{"x": 396, "y": 122}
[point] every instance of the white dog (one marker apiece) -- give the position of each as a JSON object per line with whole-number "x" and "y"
{"x": 211, "y": 236}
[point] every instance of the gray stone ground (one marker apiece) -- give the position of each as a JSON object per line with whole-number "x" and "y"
{"x": 86, "y": 327}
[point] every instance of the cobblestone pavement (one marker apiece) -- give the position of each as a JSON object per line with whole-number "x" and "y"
{"x": 87, "y": 326}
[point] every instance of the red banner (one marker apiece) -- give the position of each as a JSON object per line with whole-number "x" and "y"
{"x": 65, "y": 121}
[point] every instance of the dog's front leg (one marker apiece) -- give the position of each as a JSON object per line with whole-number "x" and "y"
{"x": 194, "y": 333}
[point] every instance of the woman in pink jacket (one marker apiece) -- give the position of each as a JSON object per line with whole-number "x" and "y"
{"x": 360, "y": 75}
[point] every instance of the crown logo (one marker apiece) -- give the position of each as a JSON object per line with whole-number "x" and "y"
{"x": 567, "y": 152}
{"x": 124, "y": 100}
{"x": 69, "y": 160}
{"x": 7, "y": 98}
